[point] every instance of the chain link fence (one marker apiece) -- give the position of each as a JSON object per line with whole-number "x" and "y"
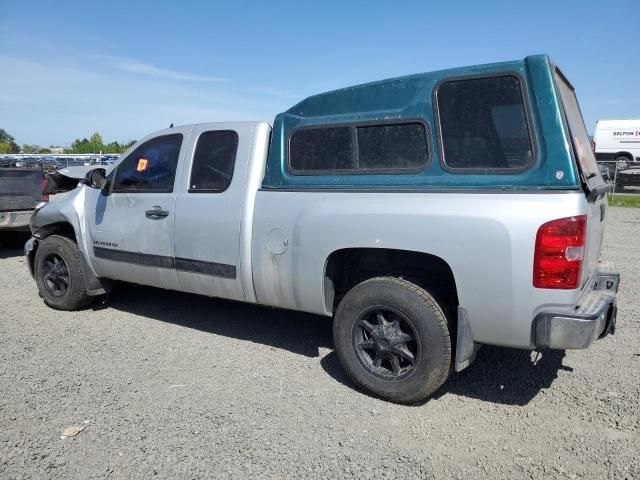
{"x": 622, "y": 175}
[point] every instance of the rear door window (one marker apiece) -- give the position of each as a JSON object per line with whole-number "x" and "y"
{"x": 578, "y": 132}
{"x": 483, "y": 125}
{"x": 213, "y": 161}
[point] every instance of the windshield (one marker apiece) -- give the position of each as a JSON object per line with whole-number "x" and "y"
{"x": 578, "y": 132}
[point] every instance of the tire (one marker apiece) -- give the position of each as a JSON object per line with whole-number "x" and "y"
{"x": 366, "y": 344}
{"x": 622, "y": 161}
{"x": 14, "y": 240}
{"x": 58, "y": 258}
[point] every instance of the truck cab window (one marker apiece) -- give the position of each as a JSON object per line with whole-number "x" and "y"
{"x": 483, "y": 124}
{"x": 151, "y": 167}
{"x": 213, "y": 161}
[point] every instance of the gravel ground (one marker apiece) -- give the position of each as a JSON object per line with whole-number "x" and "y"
{"x": 175, "y": 385}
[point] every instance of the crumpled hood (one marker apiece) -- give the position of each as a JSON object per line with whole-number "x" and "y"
{"x": 66, "y": 179}
{"x": 77, "y": 172}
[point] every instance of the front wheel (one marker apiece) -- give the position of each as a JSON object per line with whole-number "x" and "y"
{"x": 393, "y": 340}
{"x": 58, "y": 273}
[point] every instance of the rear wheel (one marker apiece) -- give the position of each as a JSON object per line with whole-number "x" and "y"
{"x": 393, "y": 340}
{"x": 58, "y": 274}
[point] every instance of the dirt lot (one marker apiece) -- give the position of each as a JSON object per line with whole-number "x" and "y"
{"x": 175, "y": 385}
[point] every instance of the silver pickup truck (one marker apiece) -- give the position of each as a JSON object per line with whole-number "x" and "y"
{"x": 427, "y": 214}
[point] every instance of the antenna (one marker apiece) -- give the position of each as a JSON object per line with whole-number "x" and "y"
{"x": 171, "y": 126}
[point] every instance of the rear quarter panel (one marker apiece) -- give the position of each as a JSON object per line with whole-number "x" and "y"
{"x": 486, "y": 238}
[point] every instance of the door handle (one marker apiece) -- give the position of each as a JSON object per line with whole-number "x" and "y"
{"x": 156, "y": 213}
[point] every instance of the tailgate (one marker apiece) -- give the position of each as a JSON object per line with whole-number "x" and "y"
{"x": 593, "y": 184}
{"x": 20, "y": 188}
{"x": 595, "y": 232}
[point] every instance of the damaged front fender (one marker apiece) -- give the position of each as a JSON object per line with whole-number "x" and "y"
{"x": 62, "y": 218}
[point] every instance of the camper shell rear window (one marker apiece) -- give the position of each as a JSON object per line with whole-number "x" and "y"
{"x": 484, "y": 125}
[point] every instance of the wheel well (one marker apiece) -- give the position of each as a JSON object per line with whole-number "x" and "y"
{"x": 94, "y": 285}
{"x": 350, "y": 266}
{"x": 63, "y": 229}
{"x": 623, "y": 154}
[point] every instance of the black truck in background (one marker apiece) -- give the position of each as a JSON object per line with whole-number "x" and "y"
{"x": 21, "y": 189}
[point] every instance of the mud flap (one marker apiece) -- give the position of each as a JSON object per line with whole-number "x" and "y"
{"x": 466, "y": 348}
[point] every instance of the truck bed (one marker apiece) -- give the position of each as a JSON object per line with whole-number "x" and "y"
{"x": 20, "y": 188}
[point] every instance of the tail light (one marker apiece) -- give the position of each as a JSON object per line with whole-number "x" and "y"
{"x": 557, "y": 262}
{"x": 44, "y": 183}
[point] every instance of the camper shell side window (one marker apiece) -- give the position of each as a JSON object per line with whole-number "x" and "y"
{"x": 390, "y": 147}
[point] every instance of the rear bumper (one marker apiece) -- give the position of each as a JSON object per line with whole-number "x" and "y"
{"x": 18, "y": 220}
{"x": 594, "y": 317}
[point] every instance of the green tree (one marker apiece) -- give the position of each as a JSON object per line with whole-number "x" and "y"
{"x": 128, "y": 145}
{"x": 80, "y": 146}
{"x": 95, "y": 144}
{"x": 5, "y": 137}
{"x": 9, "y": 140}
{"x": 5, "y": 148}
{"x": 26, "y": 148}
{"x": 96, "y": 138}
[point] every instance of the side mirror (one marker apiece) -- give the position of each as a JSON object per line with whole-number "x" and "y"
{"x": 97, "y": 178}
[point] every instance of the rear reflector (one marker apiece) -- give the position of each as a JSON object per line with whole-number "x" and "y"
{"x": 557, "y": 262}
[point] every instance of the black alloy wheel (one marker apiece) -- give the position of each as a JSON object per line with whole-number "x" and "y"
{"x": 55, "y": 275}
{"x": 386, "y": 343}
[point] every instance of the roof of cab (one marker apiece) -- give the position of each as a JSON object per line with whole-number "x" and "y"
{"x": 214, "y": 125}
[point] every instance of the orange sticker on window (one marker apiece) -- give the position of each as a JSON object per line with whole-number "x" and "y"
{"x": 143, "y": 163}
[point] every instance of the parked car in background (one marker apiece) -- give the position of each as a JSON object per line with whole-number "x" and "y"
{"x": 628, "y": 177}
{"x": 395, "y": 207}
{"x": 22, "y": 183}
{"x": 617, "y": 140}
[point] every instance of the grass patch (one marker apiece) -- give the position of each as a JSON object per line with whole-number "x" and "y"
{"x": 624, "y": 200}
